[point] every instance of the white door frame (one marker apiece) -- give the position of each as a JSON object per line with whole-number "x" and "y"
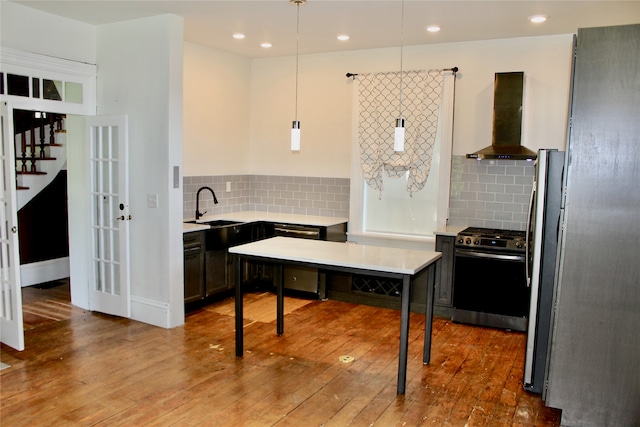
{"x": 11, "y": 324}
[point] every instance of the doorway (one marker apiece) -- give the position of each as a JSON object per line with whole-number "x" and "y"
{"x": 41, "y": 194}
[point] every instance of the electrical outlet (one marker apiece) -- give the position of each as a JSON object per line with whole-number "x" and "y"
{"x": 152, "y": 200}
{"x": 228, "y": 186}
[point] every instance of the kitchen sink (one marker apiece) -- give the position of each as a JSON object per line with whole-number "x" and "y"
{"x": 222, "y": 223}
{"x": 224, "y": 234}
{"x": 214, "y": 223}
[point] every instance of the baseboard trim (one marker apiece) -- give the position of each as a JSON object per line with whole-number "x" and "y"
{"x": 150, "y": 311}
{"x": 44, "y": 271}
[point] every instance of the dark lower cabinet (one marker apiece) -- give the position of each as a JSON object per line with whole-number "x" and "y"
{"x": 219, "y": 272}
{"x": 259, "y": 275}
{"x": 444, "y": 276}
{"x": 194, "y": 259}
{"x": 209, "y": 269}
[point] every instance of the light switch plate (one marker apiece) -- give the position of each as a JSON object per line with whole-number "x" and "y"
{"x": 228, "y": 186}
{"x": 152, "y": 200}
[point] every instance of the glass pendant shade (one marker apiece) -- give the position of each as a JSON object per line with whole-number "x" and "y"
{"x": 295, "y": 136}
{"x": 398, "y": 135}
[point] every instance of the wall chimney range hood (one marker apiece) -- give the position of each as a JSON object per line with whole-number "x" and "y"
{"x": 508, "y": 93}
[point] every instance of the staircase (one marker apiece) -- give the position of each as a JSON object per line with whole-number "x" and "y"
{"x": 40, "y": 141}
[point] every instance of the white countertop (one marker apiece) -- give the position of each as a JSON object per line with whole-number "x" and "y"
{"x": 255, "y": 216}
{"x": 450, "y": 230}
{"x": 188, "y": 228}
{"x": 366, "y": 257}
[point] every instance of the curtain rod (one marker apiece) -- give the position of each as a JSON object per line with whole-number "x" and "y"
{"x": 453, "y": 70}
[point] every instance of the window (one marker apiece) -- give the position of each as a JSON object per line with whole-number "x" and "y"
{"x": 51, "y": 84}
{"x": 396, "y": 214}
{"x": 397, "y": 211}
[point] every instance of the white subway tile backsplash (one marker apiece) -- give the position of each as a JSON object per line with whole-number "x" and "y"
{"x": 506, "y": 198}
{"x": 495, "y": 188}
{"x": 469, "y": 177}
{"x": 514, "y": 189}
{"x": 483, "y": 193}
{"x": 505, "y": 179}
{"x": 486, "y": 178}
{"x": 487, "y": 197}
{"x": 496, "y": 170}
{"x": 269, "y": 193}
{"x": 473, "y": 186}
{"x": 490, "y": 193}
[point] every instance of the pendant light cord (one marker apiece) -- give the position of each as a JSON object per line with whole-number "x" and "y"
{"x": 297, "y": 52}
{"x": 401, "y": 52}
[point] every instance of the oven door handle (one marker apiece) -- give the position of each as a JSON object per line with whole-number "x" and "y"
{"x": 503, "y": 257}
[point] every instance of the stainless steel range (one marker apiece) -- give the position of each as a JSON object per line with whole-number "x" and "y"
{"x": 489, "y": 279}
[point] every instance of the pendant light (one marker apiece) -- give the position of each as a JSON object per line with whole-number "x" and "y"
{"x": 398, "y": 133}
{"x": 295, "y": 128}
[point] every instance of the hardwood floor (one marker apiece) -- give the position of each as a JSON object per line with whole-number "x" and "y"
{"x": 94, "y": 369}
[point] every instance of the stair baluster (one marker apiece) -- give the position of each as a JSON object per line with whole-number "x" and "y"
{"x": 52, "y": 133}
{"x": 33, "y": 148}
{"x": 23, "y": 146}
{"x": 42, "y": 137}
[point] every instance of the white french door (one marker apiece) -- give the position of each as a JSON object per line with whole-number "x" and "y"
{"x": 109, "y": 209}
{"x": 11, "y": 328}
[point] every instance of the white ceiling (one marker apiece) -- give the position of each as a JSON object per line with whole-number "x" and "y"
{"x": 370, "y": 23}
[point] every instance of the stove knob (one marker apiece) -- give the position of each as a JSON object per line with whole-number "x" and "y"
{"x": 476, "y": 242}
{"x": 519, "y": 245}
{"x": 461, "y": 240}
{"x": 468, "y": 241}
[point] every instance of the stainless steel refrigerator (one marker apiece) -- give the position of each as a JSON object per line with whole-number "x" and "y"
{"x": 593, "y": 345}
{"x": 542, "y": 248}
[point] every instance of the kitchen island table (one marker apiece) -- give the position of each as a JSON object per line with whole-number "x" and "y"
{"x": 344, "y": 257}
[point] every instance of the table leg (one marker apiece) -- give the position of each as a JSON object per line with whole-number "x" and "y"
{"x": 404, "y": 333}
{"x": 428, "y": 320}
{"x": 280, "y": 300}
{"x": 239, "y": 309}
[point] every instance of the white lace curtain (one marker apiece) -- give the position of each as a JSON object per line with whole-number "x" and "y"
{"x": 378, "y": 108}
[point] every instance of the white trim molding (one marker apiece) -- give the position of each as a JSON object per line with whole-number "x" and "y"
{"x": 44, "y": 271}
{"x": 33, "y": 65}
{"x": 151, "y": 311}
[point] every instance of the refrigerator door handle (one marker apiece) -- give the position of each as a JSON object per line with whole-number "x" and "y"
{"x": 528, "y": 242}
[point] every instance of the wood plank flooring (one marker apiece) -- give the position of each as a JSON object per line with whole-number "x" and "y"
{"x": 99, "y": 370}
{"x": 47, "y": 303}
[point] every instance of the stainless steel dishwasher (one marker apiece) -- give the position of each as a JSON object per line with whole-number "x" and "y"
{"x": 296, "y": 278}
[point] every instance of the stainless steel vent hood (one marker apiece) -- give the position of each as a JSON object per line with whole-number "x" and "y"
{"x": 508, "y": 93}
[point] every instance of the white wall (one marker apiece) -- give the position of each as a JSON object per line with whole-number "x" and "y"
{"x": 79, "y": 224}
{"x": 325, "y": 99}
{"x": 140, "y": 74}
{"x": 216, "y": 112}
{"x": 67, "y": 39}
{"x": 55, "y": 36}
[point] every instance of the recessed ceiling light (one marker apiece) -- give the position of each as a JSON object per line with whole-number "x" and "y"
{"x": 266, "y": 44}
{"x": 343, "y": 37}
{"x": 432, "y": 28}
{"x": 537, "y": 19}
{"x": 238, "y": 36}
